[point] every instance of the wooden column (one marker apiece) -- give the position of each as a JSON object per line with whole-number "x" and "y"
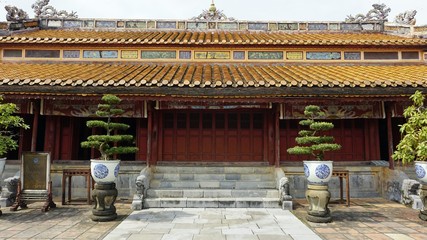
{"x": 277, "y": 136}
{"x": 149, "y": 132}
{"x": 389, "y": 136}
{"x": 36, "y": 112}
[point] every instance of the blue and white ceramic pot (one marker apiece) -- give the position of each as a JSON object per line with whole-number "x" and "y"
{"x": 421, "y": 171}
{"x": 104, "y": 171}
{"x": 318, "y": 172}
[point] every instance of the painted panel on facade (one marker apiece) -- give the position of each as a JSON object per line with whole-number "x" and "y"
{"x": 197, "y": 25}
{"x": 352, "y": 55}
{"x": 54, "y": 23}
{"x": 317, "y": 26}
{"x": 88, "y": 23}
{"x": 258, "y": 26}
{"x": 381, "y": 55}
{"x": 158, "y": 54}
{"x": 212, "y": 55}
{"x": 265, "y": 55}
{"x": 100, "y": 54}
{"x": 334, "y": 26}
{"x": 298, "y": 55}
{"x": 239, "y": 55}
{"x": 243, "y": 26}
{"x": 129, "y": 54}
{"x": 166, "y": 24}
{"x": 151, "y": 24}
{"x": 351, "y": 26}
{"x": 323, "y": 55}
{"x": 184, "y": 54}
{"x": 73, "y": 23}
{"x": 368, "y": 26}
{"x": 410, "y": 55}
{"x": 42, "y": 53}
{"x": 12, "y": 53}
{"x": 136, "y": 24}
{"x": 181, "y": 25}
{"x": 288, "y": 26}
{"x": 333, "y": 111}
{"x": 105, "y": 24}
{"x": 71, "y": 54}
{"x": 120, "y": 24}
{"x": 227, "y": 26}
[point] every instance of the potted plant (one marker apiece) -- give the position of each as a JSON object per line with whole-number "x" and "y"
{"x": 8, "y": 123}
{"x": 105, "y": 169}
{"x": 311, "y": 141}
{"x": 413, "y": 144}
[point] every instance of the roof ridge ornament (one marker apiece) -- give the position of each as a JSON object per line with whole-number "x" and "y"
{"x": 379, "y": 12}
{"x": 15, "y": 14}
{"x": 43, "y": 10}
{"x": 213, "y": 14}
{"x": 407, "y": 17}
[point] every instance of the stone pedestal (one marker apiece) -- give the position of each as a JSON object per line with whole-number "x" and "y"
{"x": 318, "y": 199}
{"x": 423, "y": 196}
{"x": 104, "y": 196}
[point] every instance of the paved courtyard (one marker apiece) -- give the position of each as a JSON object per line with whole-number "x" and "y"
{"x": 365, "y": 219}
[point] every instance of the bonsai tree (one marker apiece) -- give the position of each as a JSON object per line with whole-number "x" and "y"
{"x": 9, "y": 123}
{"x": 108, "y": 144}
{"x": 310, "y": 141}
{"x": 413, "y": 145}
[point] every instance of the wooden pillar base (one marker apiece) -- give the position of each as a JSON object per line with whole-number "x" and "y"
{"x": 104, "y": 196}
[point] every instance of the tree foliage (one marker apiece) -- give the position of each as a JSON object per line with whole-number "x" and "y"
{"x": 413, "y": 144}
{"x": 111, "y": 142}
{"x": 9, "y": 124}
{"x": 310, "y": 140}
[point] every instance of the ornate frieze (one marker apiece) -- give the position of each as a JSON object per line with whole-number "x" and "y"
{"x": 42, "y": 9}
{"x": 379, "y": 12}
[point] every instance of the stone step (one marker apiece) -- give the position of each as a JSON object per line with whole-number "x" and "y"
{"x": 211, "y": 203}
{"x": 211, "y": 193}
{"x": 214, "y": 176}
{"x": 214, "y": 170}
{"x": 159, "y": 183}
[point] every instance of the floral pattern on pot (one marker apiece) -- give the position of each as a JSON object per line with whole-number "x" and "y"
{"x": 306, "y": 170}
{"x": 322, "y": 171}
{"x": 100, "y": 171}
{"x": 116, "y": 171}
{"x": 419, "y": 170}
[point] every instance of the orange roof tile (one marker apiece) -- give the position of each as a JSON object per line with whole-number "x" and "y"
{"x": 73, "y": 36}
{"x": 211, "y": 75}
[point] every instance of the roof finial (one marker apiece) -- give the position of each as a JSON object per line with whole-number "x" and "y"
{"x": 213, "y": 14}
{"x": 212, "y": 8}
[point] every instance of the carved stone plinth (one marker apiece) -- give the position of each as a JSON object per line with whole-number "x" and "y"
{"x": 423, "y": 196}
{"x": 318, "y": 199}
{"x": 104, "y": 196}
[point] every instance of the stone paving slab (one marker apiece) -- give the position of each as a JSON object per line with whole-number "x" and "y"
{"x": 221, "y": 223}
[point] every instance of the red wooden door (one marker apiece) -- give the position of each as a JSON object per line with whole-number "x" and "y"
{"x": 213, "y": 136}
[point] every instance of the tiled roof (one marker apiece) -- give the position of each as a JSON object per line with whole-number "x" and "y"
{"x": 233, "y": 76}
{"x": 209, "y": 38}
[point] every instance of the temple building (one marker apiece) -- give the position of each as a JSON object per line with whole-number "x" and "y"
{"x": 213, "y": 90}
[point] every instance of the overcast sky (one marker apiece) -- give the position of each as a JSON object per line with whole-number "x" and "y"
{"x": 278, "y": 10}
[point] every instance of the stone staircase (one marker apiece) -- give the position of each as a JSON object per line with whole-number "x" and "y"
{"x": 212, "y": 187}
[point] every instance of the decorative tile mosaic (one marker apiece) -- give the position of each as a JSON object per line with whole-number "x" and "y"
{"x": 228, "y": 25}
{"x": 243, "y": 26}
{"x": 158, "y": 54}
{"x": 272, "y": 26}
{"x": 352, "y": 55}
{"x": 239, "y": 55}
{"x": 184, "y": 54}
{"x": 73, "y": 23}
{"x": 381, "y": 55}
{"x": 368, "y": 26}
{"x": 323, "y": 55}
{"x": 258, "y": 26}
{"x": 197, "y": 25}
{"x": 166, "y": 24}
{"x": 404, "y": 30}
{"x": 151, "y": 24}
{"x": 54, "y": 23}
{"x": 334, "y": 26}
{"x": 294, "y": 55}
{"x": 120, "y": 24}
{"x": 136, "y": 24}
{"x": 303, "y": 26}
{"x": 12, "y": 53}
{"x": 288, "y": 26}
{"x": 88, "y": 24}
{"x": 212, "y": 25}
{"x": 411, "y": 55}
{"x": 212, "y": 55}
{"x": 265, "y": 55}
{"x": 129, "y": 54}
{"x": 71, "y": 54}
{"x": 181, "y": 25}
{"x": 99, "y": 54}
{"x": 105, "y": 24}
{"x": 351, "y": 27}
{"x": 317, "y": 26}
{"x": 42, "y": 53}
